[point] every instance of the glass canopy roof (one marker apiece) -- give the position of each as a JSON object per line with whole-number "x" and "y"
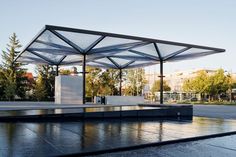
{"x": 56, "y": 45}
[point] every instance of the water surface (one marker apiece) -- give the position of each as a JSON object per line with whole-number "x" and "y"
{"x": 58, "y": 138}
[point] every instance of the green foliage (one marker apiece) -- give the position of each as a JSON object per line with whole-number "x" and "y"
{"x": 40, "y": 91}
{"x": 209, "y": 85}
{"x": 64, "y": 72}
{"x": 2, "y": 85}
{"x": 108, "y": 81}
{"x": 47, "y": 72}
{"x": 12, "y": 75}
{"x": 9, "y": 87}
{"x": 156, "y": 86}
{"x": 135, "y": 80}
{"x": 10, "y": 90}
{"x": 199, "y": 84}
{"x": 101, "y": 82}
{"x": 92, "y": 81}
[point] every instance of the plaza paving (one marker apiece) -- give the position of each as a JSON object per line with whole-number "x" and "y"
{"x": 215, "y": 111}
{"x": 214, "y": 147}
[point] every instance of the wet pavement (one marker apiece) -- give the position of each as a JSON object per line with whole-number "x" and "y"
{"x": 61, "y": 138}
{"x": 215, "y": 111}
{"x": 214, "y": 147}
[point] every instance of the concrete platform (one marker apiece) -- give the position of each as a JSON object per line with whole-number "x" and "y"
{"x": 23, "y": 111}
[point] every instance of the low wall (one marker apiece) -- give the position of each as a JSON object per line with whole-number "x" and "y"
{"x": 124, "y": 100}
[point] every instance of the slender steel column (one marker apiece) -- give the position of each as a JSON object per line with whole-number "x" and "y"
{"x": 120, "y": 75}
{"x": 84, "y": 77}
{"x": 161, "y": 82}
{"x": 57, "y": 70}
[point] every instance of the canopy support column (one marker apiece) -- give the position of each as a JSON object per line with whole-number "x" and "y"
{"x": 161, "y": 82}
{"x": 120, "y": 76}
{"x": 84, "y": 77}
{"x": 57, "y": 70}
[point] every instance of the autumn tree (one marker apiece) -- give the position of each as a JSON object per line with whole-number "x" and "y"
{"x": 92, "y": 81}
{"x": 108, "y": 82}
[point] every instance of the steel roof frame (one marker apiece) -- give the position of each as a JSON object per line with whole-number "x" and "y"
{"x": 111, "y": 51}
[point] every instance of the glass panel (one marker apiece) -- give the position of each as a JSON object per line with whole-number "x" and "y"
{"x": 80, "y": 39}
{"x": 120, "y": 61}
{"x": 141, "y": 64}
{"x": 104, "y": 60}
{"x": 99, "y": 65}
{"x": 54, "y": 48}
{"x": 192, "y": 55}
{"x": 147, "y": 49}
{"x": 166, "y": 49}
{"x": 111, "y": 41}
{"x": 73, "y": 58}
{"x": 28, "y": 57}
{"x": 48, "y": 38}
{"x": 50, "y": 46}
{"x": 194, "y": 51}
{"x": 55, "y": 58}
{"x": 127, "y": 53}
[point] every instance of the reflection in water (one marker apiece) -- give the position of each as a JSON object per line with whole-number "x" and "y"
{"x": 72, "y": 110}
{"x": 118, "y": 108}
{"x": 88, "y": 135}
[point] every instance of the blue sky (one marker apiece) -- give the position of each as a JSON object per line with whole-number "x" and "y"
{"x": 203, "y": 22}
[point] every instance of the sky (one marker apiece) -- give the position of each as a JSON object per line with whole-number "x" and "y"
{"x": 202, "y": 22}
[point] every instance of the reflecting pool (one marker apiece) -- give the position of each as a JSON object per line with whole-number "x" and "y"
{"x": 60, "y": 138}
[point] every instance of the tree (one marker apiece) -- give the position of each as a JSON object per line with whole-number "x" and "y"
{"x": 47, "y": 72}
{"x": 156, "y": 86}
{"x": 199, "y": 84}
{"x": 206, "y": 85}
{"x": 101, "y": 82}
{"x": 219, "y": 84}
{"x": 92, "y": 81}
{"x": 40, "y": 91}
{"x": 10, "y": 91}
{"x": 135, "y": 80}
{"x": 232, "y": 85}
{"x": 2, "y": 86}
{"x": 109, "y": 82}
{"x": 12, "y": 72}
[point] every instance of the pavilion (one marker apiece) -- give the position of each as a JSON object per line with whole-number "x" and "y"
{"x": 57, "y": 46}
